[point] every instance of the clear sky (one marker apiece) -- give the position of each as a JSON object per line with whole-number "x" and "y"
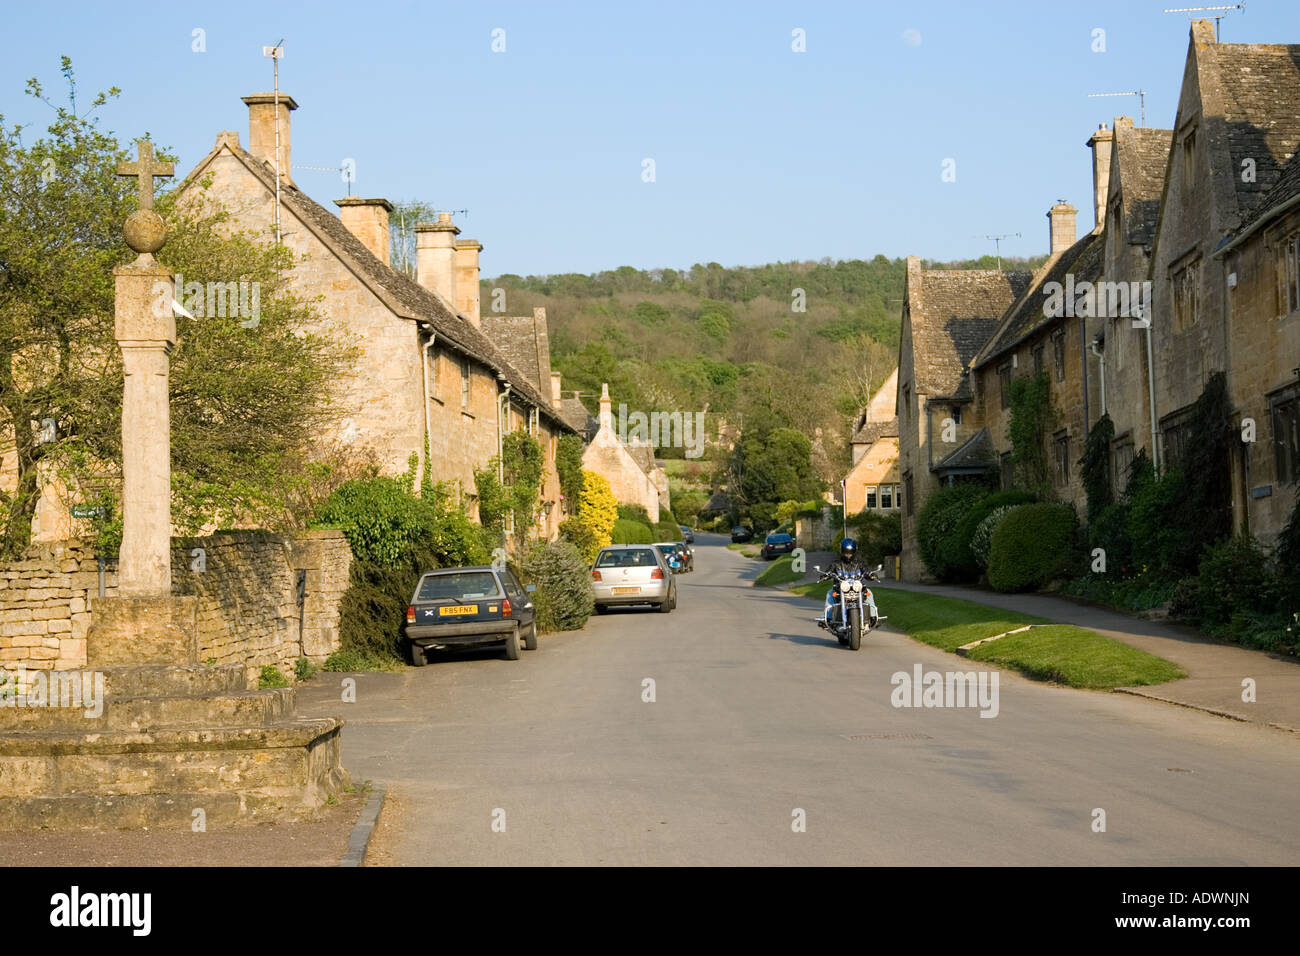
{"x": 761, "y": 153}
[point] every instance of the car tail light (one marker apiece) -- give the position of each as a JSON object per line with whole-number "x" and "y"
{"x": 595, "y": 575}
{"x": 657, "y": 574}
{"x": 505, "y": 608}
{"x": 410, "y": 614}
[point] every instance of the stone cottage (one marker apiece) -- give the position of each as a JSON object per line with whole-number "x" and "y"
{"x": 1128, "y": 179}
{"x": 872, "y": 480}
{"x": 1221, "y": 270}
{"x": 948, "y": 315}
{"x": 429, "y": 375}
{"x": 1045, "y": 331}
{"x": 630, "y": 468}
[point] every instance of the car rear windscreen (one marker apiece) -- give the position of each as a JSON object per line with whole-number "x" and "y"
{"x": 458, "y": 586}
{"x": 631, "y": 558}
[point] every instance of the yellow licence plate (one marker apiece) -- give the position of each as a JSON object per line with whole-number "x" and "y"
{"x": 626, "y": 590}
{"x": 458, "y": 609}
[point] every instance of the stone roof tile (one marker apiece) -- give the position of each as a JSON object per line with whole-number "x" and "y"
{"x": 953, "y": 313}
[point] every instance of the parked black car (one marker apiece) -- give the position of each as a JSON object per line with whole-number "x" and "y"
{"x": 777, "y": 544}
{"x": 687, "y": 534}
{"x": 741, "y": 534}
{"x": 461, "y": 607}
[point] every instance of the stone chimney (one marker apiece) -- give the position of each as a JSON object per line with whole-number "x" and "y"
{"x": 263, "y": 119}
{"x": 467, "y": 294}
{"x": 1062, "y": 219}
{"x": 606, "y": 417}
{"x": 556, "y": 395}
{"x": 435, "y": 256}
{"x": 1102, "y": 142}
{"x": 367, "y": 219}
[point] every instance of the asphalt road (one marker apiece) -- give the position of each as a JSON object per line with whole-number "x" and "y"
{"x": 759, "y": 714}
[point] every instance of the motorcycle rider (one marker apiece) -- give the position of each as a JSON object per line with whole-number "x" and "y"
{"x": 848, "y": 563}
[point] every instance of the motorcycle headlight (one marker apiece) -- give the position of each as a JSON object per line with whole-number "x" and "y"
{"x": 855, "y": 586}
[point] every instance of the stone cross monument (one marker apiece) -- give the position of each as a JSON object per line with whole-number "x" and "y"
{"x": 145, "y": 328}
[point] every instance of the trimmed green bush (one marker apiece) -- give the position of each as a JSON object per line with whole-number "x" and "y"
{"x": 938, "y": 522}
{"x": 982, "y": 539}
{"x": 1032, "y": 545}
{"x": 627, "y": 531}
{"x": 957, "y": 551}
{"x": 667, "y": 531}
{"x": 634, "y": 513}
{"x": 564, "y": 597}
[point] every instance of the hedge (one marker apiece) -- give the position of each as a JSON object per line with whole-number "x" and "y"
{"x": 1032, "y": 545}
{"x": 958, "y": 552}
{"x": 667, "y": 531}
{"x": 627, "y": 531}
{"x": 937, "y": 523}
{"x": 982, "y": 539}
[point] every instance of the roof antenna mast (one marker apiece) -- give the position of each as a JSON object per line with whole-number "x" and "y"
{"x": 1223, "y": 11}
{"x": 1141, "y": 94}
{"x": 276, "y": 53}
{"x": 997, "y": 243}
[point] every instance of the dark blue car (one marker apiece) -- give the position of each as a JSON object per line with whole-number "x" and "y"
{"x": 777, "y": 544}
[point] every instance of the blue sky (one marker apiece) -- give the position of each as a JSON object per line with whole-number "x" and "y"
{"x": 761, "y": 154}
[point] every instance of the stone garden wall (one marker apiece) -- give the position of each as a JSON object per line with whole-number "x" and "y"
{"x": 246, "y": 583}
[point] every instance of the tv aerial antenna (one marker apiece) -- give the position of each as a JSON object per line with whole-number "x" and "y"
{"x": 1141, "y": 94}
{"x": 1223, "y": 11}
{"x": 997, "y": 243}
{"x": 276, "y": 53}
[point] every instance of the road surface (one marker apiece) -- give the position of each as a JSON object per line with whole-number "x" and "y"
{"x": 759, "y": 721}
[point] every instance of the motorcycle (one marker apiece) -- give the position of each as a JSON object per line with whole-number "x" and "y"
{"x": 856, "y": 613}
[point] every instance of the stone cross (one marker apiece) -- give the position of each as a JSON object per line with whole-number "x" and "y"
{"x": 146, "y": 339}
{"x": 146, "y": 169}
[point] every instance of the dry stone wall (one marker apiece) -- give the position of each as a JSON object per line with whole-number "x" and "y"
{"x": 246, "y": 583}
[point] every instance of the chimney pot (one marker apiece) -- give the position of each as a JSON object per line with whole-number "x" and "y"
{"x": 556, "y": 395}
{"x": 367, "y": 219}
{"x": 467, "y": 293}
{"x": 1062, "y": 226}
{"x": 263, "y": 120}
{"x": 606, "y": 416}
{"x": 435, "y": 256}
{"x": 1102, "y": 143}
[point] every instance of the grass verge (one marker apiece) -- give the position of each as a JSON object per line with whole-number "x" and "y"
{"x": 1070, "y": 655}
{"x": 1061, "y": 653}
{"x": 779, "y": 572}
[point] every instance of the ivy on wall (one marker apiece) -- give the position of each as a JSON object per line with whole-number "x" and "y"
{"x": 1033, "y": 418}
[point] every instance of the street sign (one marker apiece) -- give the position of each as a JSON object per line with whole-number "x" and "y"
{"x": 87, "y": 511}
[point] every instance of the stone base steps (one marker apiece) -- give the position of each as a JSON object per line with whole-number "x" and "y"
{"x": 174, "y": 680}
{"x": 142, "y": 811}
{"x": 240, "y": 708}
{"x": 124, "y": 779}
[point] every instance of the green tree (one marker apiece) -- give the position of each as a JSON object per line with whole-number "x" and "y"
{"x": 245, "y": 400}
{"x": 405, "y": 216}
{"x": 770, "y": 465}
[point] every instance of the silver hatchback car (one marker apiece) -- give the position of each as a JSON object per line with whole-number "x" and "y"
{"x": 632, "y": 574}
